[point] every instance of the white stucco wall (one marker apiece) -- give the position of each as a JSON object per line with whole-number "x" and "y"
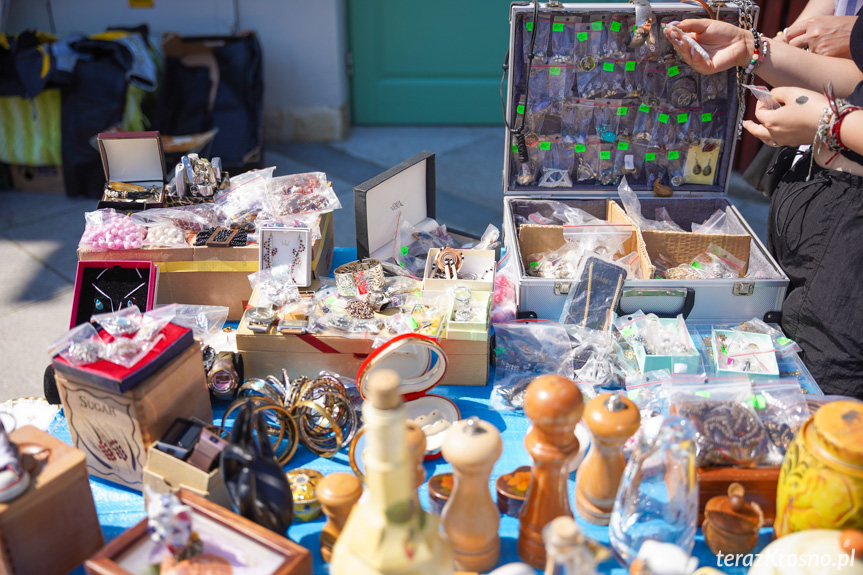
{"x": 304, "y": 46}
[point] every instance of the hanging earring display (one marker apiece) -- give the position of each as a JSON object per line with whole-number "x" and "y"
{"x": 287, "y": 247}
{"x": 696, "y": 169}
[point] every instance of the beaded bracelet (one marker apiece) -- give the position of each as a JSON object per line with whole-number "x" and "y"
{"x": 756, "y": 59}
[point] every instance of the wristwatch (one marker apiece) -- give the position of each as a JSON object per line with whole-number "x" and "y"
{"x": 259, "y": 319}
{"x": 223, "y": 377}
{"x": 207, "y": 450}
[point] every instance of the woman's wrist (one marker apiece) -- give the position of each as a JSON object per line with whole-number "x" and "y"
{"x": 747, "y": 39}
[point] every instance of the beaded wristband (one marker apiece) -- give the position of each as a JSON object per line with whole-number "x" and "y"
{"x": 756, "y": 54}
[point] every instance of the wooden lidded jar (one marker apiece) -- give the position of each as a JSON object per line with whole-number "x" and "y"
{"x": 731, "y": 523}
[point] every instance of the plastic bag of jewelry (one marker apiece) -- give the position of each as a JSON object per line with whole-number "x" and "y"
{"x": 126, "y": 351}
{"x": 607, "y": 156}
{"x": 109, "y": 230}
{"x": 203, "y": 320}
{"x": 569, "y": 215}
{"x": 523, "y": 351}
{"x": 645, "y": 117}
{"x": 412, "y": 245}
{"x": 744, "y": 352}
{"x": 588, "y": 78}
{"x": 667, "y": 53}
{"x": 713, "y": 87}
{"x": 605, "y": 118}
{"x": 79, "y": 346}
{"x": 185, "y": 219}
{"x": 782, "y": 408}
{"x": 654, "y": 167}
{"x": 244, "y": 199}
{"x": 613, "y": 85}
{"x": 539, "y": 94}
{"x": 632, "y": 205}
{"x": 283, "y": 202}
{"x": 629, "y": 160}
{"x": 165, "y": 235}
{"x": 619, "y": 34}
{"x": 600, "y": 238}
{"x": 578, "y": 118}
{"x": 784, "y": 346}
{"x": 540, "y": 45}
{"x": 645, "y": 36}
{"x": 275, "y": 286}
{"x": 686, "y": 129}
{"x": 719, "y": 263}
{"x": 557, "y": 160}
{"x": 661, "y": 265}
{"x": 154, "y": 321}
{"x": 627, "y": 112}
{"x": 504, "y": 297}
{"x": 631, "y": 262}
{"x": 653, "y": 82}
{"x": 125, "y": 321}
{"x": 561, "y": 263}
{"x": 682, "y": 86}
{"x": 426, "y": 315}
{"x": 663, "y": 132}
{"x": 648, "y": 393}
{"x": 715, "y": 224}
{"x": 587, "y": 157}
{"x": 563, "y": 39}
{"x": 489, "y": 240}
{"x": 676, "y": 167}
{"x": 729, "y": 432}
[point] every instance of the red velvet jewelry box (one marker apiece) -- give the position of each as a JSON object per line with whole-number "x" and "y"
{"x": 119, "y": 379}
{"x": 114, "y": 275}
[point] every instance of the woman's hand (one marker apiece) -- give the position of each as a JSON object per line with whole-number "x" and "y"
{"x": 726, "y": 44}
{"x": 794, "y": 123}
{"x": 825, "y": 35}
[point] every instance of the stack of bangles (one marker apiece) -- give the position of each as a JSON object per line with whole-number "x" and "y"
{"x": 320, "y": 413}
{"x": 830, "y": 125}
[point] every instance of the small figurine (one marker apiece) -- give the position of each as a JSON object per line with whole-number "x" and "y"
{"x": 568, "y": 551}
{"x": 14, "y": 479}
{"x": 731, "y": 524}
{"x": 657, "y": 558}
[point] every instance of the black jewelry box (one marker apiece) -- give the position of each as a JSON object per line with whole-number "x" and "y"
{"x": 114, "y": 284}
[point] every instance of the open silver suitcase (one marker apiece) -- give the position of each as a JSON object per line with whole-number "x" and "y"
{"x": 692, "y": 202}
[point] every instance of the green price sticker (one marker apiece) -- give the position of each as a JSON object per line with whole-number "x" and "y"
{"x": 330, "y": 300}
{"x": 629, "y": 66}
{"x": 597, "y": 26}
{"x": 706, "y": 117}
{"x": 605, "y": 155}
{"x": 405, "y": 250}
{"x": 644, "y": 108}
{"x": 623, "y": 110}
{"x": 633, "y": 394}
{"x": 696, "y": 265}
{"x": 528, "y": 26}
{"x": 514, "y": 149}
{"x": 580, "y": 148}
{"x": 673, "y": 155}
{"x": 682, "y": 118}
{"x": 650, "y": 156}
{"x": 545, "y": 145}
{"x": 557, "y": 27}
{"x": 414, "y": 324}
{"x": 534, "y": 264}
{"x": 520, "y": 109}
{"x": 662, "y": 118}
{"x": 757, "y": 402}
{"x": 623, "y": 146}
{"x": 673, "y": 71}
{"x": 608, "y": 66}
{"x": 554, "y": 71}
{"x": 705, "y": 394}
{"x": 628, "y": 331}
{"x": 783, "y": 341}
{"x": 614, "y": 26}
{"x": 582, "y": 36}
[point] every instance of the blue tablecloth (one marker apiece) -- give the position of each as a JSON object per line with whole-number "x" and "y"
{"x": 120, "y": 508}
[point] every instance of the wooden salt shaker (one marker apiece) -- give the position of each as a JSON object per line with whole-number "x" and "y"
{"x": 470, "y": 517}
{"x": 554, "y": 406}
{"x": 731, "y": 523}
{"x": 612, "y": 419}
{"x": 337, "y": 492}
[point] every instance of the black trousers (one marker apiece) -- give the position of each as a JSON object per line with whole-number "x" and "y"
{"x": 815, "y": 232}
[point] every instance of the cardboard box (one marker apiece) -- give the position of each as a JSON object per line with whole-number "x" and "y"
{"x": 114, "y": 430}
{"x": 535, "y": 238}
{"x": 471, "y": 330}
{"x": 129, "y": 554}
{"x": 133, "y": 158}
{"x": 214, "y": 276}
{"x": 53, "y": 527}
{"x": 46, "y": 179}
{"x": 165, "y": 473}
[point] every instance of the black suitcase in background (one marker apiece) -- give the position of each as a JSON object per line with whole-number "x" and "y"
{"x": 215, "y": 82}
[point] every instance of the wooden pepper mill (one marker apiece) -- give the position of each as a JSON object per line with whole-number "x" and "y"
{"x": 417, "y": 450}
{"x": 612, "y": 419}
{"x": 470, "y": 517}
{"x": 554, "y": 405}
{"x": 731, "y": 523}
{"x": 337, "y": 492}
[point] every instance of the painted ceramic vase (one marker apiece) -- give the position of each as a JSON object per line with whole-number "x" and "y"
{"x": 821, "y": 481}
{"x": 303, "y": 489}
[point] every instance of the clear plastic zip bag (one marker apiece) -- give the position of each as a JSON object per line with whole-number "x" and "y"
{"x": 619, "y": 34}
{"x": 676, "y": 166}
{"x": 587, "y": 156}
{"x": 540, "y": 47}
{"x": 612, "y": 78}
{"x": 782, "y": 408}
{"x": 557, "y": 160}
{"x": 79, "y": 346}
{"x": 563, "y": 40}
{"x": 606, "y": 119}
{"x": 578, "y": 118}
{"x": 654, "y": 166}
{"x": 653, "y": 82}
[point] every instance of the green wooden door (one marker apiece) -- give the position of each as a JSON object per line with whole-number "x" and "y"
{"x": 433, "y": 62}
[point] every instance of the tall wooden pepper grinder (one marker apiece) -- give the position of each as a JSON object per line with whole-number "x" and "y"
{"x": 612, "y": 419}
{"x": 417, "y": 451}
{"x": 387, "y": 532}
{"x": 470, "y": 517}
{"x": 338, "y": 493}
{"x": 554, "y": 405}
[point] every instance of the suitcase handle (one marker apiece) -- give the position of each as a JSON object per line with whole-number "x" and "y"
{"x": 687, "y": 293}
